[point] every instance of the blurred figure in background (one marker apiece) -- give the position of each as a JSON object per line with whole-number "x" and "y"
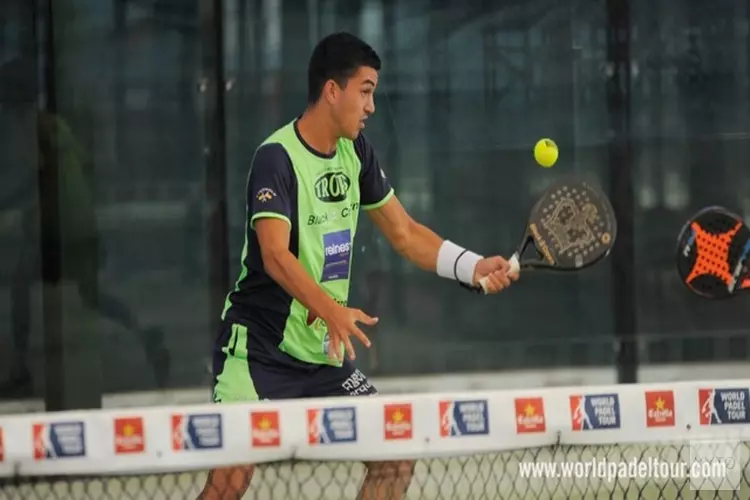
{"x": 59, "y": 156}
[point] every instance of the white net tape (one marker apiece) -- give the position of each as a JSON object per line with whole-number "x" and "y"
{"x": 686, "y": 440}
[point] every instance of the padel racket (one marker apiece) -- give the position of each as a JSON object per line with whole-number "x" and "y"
{"x": 712, "y": 253}
{"x": 572, "y": 226}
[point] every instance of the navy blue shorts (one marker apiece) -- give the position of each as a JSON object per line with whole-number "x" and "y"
{"x": 243, "y": 371}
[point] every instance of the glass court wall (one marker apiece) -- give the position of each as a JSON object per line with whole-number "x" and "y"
{"x": 128, "y": 127}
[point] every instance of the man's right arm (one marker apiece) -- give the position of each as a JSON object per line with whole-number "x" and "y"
{"x": 286, "y": 270}
{"x": 269, "y": 193}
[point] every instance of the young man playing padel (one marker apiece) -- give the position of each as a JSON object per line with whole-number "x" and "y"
{"x": 287, "y": 323}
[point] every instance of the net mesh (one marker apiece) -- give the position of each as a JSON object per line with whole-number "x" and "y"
{"x": 484, "y": 476}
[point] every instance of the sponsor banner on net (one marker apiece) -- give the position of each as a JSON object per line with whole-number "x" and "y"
{"x": 717, "y": 470}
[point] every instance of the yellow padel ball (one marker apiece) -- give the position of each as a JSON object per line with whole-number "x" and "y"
{"x": 545, "y": 152}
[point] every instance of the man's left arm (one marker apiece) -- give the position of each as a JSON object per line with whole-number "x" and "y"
{"x": 416, "y": 242}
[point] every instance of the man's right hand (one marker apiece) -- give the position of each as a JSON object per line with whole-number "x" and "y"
{"x": 342, "y": 324}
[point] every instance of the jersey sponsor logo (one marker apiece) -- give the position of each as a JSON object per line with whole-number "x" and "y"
{"x": 264, "y": 429}
{"x": 129, "y": 435}
{"x": 463, "y": 418}
{"x": 332, "y": 187}
{"x": 595, "y": 411}
{"x": 398, "y": 422}
{"x": 332, "y": 215}
{"x": 659, "y": 409}
{"x": 337, "y": 248}
{"x": 196, "y": 432}
{"x": 265, "y": 194}
{"x": 723, "y": 406}
{"x": 331, "y": 425}
{"x": 530, "y": 415}
{"x": 58, "y": 440}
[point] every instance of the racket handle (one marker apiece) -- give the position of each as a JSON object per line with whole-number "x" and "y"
{"x": 515, "y": 267}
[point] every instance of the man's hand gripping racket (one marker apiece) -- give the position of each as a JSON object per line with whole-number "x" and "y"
{"x": 572, "y": 226}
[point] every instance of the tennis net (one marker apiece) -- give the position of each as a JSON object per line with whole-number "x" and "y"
{"x": 679, "y": 440}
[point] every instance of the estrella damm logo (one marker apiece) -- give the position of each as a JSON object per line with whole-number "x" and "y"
{"x": 530, "y": 415}
{"x": 398, "y": 421}
{"x": 332, "y": 187}
{"x": 660, "y": 409}
{"x": 129, "y": 435}
{"x": 264, "y": 429}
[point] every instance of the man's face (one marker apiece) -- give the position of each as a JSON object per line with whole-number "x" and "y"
{"x": 355, "y": 103}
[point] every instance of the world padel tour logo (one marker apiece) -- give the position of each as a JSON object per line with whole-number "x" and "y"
{"x": 595, "y": 411}
{"x": 337, "y": 249}
{"x": 464, "y": 418}
{"x": 196, "y": 432}
{"x": 58, "y": 440}
{"x": 530, "y": 415}
{"x": 129, "y": 436}
{"x": 398, "y": 422}
{"x": 264, "y": 429}
{"x": 331, "y": 425}
{"x": 659, "y": 409}
{"x": 723, "y": 406}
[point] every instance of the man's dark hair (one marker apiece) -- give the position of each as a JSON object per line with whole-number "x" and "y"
{"x": 337, "y": 57}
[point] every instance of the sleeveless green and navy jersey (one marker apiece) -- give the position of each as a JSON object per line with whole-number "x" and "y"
{"x": 320, "y": 196}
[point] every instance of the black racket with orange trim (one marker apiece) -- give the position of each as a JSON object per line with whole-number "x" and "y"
{"x": 712, "y": 254}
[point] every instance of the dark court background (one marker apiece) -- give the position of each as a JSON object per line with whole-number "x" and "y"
{"x": 127, "y": 128}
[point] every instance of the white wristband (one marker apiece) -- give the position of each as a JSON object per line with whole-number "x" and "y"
{"x": 456, "y": 262}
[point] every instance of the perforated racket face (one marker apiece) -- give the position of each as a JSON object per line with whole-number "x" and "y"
{"x": 573, "y": 225}
{"x": 712, "y": 253}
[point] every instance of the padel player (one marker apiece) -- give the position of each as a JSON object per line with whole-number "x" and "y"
{"x": 287, "y": 322}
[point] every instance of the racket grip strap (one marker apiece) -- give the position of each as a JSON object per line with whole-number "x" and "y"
{"x": 456, "y": 263}
{"x": 515, "y": 266}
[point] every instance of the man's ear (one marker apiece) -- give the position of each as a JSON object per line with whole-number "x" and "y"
{"x": 330, "y": 91}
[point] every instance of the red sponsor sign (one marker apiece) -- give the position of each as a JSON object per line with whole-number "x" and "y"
{"x": 129, "y": 435}
{"x": 530, "y": 415}
{"x": 659, "y": 409}
{"x": 265, "y": 429}
{"x": 398, "y": 421}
